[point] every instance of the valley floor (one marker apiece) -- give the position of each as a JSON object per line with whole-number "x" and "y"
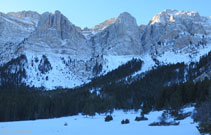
{"x": 82, "y": 125}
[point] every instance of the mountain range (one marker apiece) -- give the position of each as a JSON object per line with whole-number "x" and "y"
{"x": 47, "y": 50}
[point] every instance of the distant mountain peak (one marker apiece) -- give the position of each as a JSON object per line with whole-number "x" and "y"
{"x": 169, "y": 15}
{"x": 23, "y": 14}
{"x": 104, "y": 24}
{"x": 125, "y": 14}
{"x": 177, "y": 12}
{"x": 57, "y": 22}
{"x": 122, "y": 18}
{"x": 125, "y": 17}
{"x": 57, "y": 12}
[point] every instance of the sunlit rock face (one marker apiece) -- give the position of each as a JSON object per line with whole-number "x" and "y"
{"x": 57, "y": 34}
{"x": 122, "y": 37}
{"x": 172, "y": 29}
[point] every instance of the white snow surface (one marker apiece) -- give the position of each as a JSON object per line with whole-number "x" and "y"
{"x": 59, "y": 76}
{"x": 147, "y": 64}
{"x": 171, "y": 57}
{"x": 62, "y": 76}
{"x": 82, "y": 125}
{"x": 113, "y": 62}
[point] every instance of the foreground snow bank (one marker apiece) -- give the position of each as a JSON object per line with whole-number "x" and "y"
{"x": 81, "y": 125}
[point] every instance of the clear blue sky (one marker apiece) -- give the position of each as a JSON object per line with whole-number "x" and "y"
{"x": 91, "y": 12}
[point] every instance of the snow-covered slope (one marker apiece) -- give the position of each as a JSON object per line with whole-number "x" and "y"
{"x": 179, "y": 56}
{"x": 58, "y": 73}
{"x": 75, "y": 56}
{"x": 82, "y": 125}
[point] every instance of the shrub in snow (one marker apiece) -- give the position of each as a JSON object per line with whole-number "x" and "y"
{"x": 182, "y": 116}
{"x": 126, "y": 121}
{"x": 65, "y": 124}
{"x": 44, "y": 65}
{"x": 108, "y": 118}
{"x": 164, "y": 117}
{"x": 164, "y": 123}
{"x": 140, "y": 118}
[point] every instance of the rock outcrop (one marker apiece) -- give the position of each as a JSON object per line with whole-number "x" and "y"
{"x": 25, "y": 14}
{"x": 121, "y": 37}
{"x": 174, "y": 30}
{"x": 56, "y": 34}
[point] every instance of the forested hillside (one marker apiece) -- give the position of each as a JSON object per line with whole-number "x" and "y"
{"x": 165, "y": 87}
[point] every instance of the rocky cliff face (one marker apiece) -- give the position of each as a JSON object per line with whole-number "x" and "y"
{"x": 25, "y": 14}
{"x": 56, "y": 34}
{"x": 175, "y": 30}
{"x": 122, "y": 37}
{"x": 103, "y": 25}
{"x": 13, "y": 31}
{"x": 59, "y": 53}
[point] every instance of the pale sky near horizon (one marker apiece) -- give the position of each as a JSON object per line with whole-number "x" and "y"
{"x": 92, "y": 12}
